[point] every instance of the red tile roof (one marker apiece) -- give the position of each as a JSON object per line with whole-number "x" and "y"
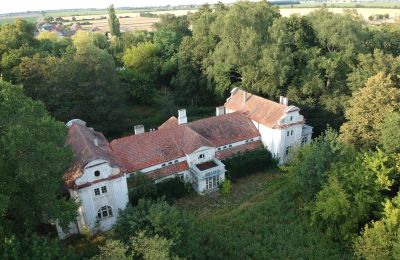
{"x": 81, "y": 139}
{"x": 242, "y": 148}
{"x": 225, "y": 129}
{"x": 152, "y": 148}
{"x": 169, "y": 170}
{"x": 171, "y": 122}
{"x": 259, "y": 109}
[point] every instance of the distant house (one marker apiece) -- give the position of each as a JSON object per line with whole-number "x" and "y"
{"x": 192, "y": 151}
{"x": 47, "y": 27}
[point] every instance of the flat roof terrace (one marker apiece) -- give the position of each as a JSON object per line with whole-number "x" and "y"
{"x": 206, "y": 165}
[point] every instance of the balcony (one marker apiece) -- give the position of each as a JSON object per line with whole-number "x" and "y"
{"x": 209, "y": 168}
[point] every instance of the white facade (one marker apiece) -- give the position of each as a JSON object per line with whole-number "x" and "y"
{"x": 101, "y": 198}
{"x": 290, "y": 131}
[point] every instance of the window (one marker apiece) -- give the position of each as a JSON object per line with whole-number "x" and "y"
{"x": 202, "y": 156}
{"x": 212, "y": 182}
{"x": 169, "y": 163}
{"x": 230, "y": 145}
{"x": 97, "y": 173}
{"x": 219, "y": 149}
{"x": 287, "y": 150}
{"x": 287, "y": 133}
{"x": 176, "y": 161}
{"x": 163, "y": 165}
{"x": 225, "y": 147}
{"x": 251, "y": 140}
{"x": 304, "y": 140}
{"x": 291, "y": 118}
{"x": 247, "y": 141}
{"x": 291, "y": 132}
{"x": 97, "y": 191}
{"x": 104, "y": 189}
{"x": 104, "y": 212}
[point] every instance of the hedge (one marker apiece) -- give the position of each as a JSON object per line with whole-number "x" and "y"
{"x": 141, "y": 187}
{"x": 243, "y": 164}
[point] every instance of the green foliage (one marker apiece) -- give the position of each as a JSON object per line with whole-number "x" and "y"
{"x": 142, "y": 187}
{"x": 225, "y": 188}
{"x": 247, "y": 163}
{"x": 380, "y": 239}
{"x": 33, "y": 158}
{"x": 390, "y": 138}
{"x": 309, "y": 164}
{"x": 34, "y": 247}
{"x": 113, "y": 249}
{"x": 152, "y": 247}
{"x": 353, "y": 193}
{"x": 368, "y": 109}
{"x": 269, "y": 224}
{"x": 142, "y": 58}
{"x": 158, "y": 219}
{"x": 113, "y": 22}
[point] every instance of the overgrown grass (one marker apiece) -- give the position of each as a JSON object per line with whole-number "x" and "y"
{"x": 262, "y": 220}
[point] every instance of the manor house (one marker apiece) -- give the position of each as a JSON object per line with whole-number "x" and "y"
{"x": 193, "y": 151}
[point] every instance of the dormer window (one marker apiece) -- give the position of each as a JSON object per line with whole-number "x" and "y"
{"x": 97, "y": 173}
{"x": 163, "y": 165}
{"x": 169, "y": 163}
{"x": 202, "y": 156}
{"x": 176, "y": 161}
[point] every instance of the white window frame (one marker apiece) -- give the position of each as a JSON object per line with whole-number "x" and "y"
{"x": 104, "y": 212}
{"x": 212, "y": 182}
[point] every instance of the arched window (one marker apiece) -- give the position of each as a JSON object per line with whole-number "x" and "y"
{"x": 97, "y": 173}
{"x": 104, "y": 212}
{"x": 304, "y": 140}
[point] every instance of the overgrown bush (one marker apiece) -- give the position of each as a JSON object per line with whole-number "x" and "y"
{"x": 247, "y": 163}
{"x": 142, "y": 187}
{"x": 225, "y": 188}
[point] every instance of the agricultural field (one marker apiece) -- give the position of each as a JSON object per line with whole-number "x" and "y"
{"x": 365, "y": 12}
{"x": 129, "y": 21}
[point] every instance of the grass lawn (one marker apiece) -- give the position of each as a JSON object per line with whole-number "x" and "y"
{"x": 261, "y": 220}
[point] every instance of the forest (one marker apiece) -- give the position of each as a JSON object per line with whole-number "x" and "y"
{"x": 342, "y": 73}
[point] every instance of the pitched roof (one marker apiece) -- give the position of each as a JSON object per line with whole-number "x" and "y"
{"x": 259, "y": 109}
{"x": 238, "y": 149}
{"x": 88, "y": 145}
{"x": 151, "y": 148}
{"x": 171, "y": 122}
{"x": 169, "y": 170}
{"x": 225, "y": 129}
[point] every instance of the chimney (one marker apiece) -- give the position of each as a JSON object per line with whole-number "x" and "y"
{"x": 182, "y": 119}
{"x": 244, "y": 96}
{"x": 281, "y": 100}
{"x": 285, "y": 101}
{"x": 139, "y": 129}
{"x": 220, "y": 111}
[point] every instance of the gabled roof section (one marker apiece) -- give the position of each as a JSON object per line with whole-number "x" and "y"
{"x": 88, "y": 145}
{"x": 225, "y": 129}
{"x": 259, "y": 109}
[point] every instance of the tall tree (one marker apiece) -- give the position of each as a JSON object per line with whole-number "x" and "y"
{"x": 367, "y": 110}
{"x": 33, "y": 159}
{"x": 113, "y": 22}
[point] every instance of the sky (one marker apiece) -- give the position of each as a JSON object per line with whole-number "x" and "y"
{"x": 11, "y": 6}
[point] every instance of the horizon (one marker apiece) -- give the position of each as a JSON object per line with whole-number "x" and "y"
{"x": 23, "y": 6}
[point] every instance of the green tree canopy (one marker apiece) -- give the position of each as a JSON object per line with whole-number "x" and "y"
{"x": 368, "y": 109}
{"x": 33, "y": 160}
{"x": 113, "y": 22}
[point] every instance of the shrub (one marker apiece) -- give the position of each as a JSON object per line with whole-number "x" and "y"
{"x": 225, "y": 188}
{"x": 247, "y": 163}
{"x": 142, "y": 187}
